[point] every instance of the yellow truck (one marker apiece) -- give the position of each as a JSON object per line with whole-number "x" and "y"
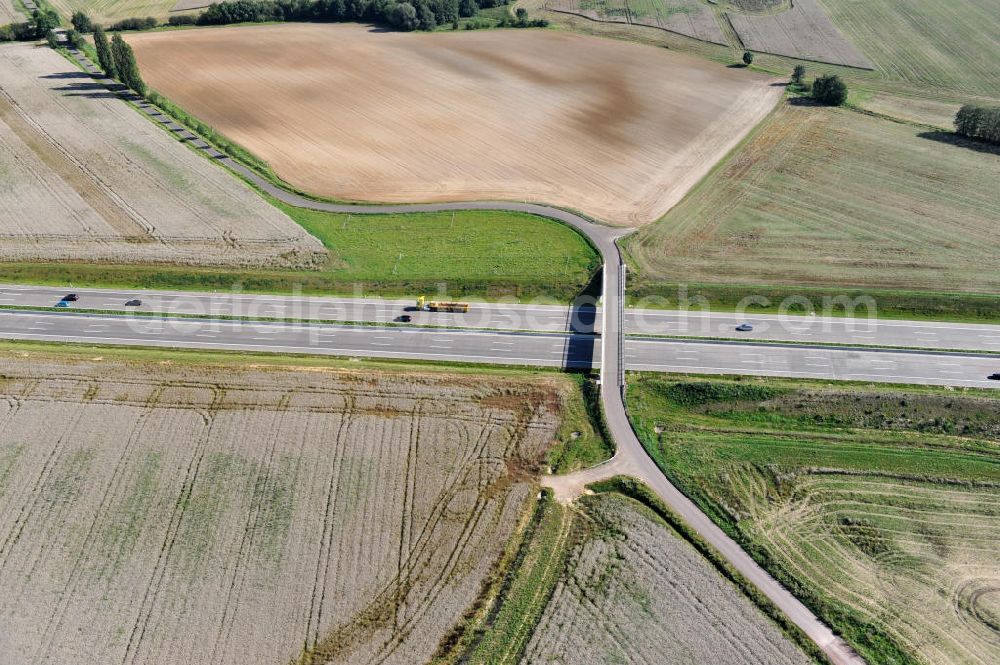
{"x": 441, "y": 305}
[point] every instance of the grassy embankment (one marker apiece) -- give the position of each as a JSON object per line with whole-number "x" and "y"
{"x": 875, "y": 505}
{"x": 474, "y": 254}
{"x": 819, "y": 203}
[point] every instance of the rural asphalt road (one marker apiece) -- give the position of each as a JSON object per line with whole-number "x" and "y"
{"x": 630, "y": 453}
{"x": 518, "y": 316}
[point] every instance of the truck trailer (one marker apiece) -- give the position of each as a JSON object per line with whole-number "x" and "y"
{"x": 441, "y": 305}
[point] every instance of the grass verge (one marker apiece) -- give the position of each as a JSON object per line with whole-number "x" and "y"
{"x": 481, "y": 254}
{"x": 582, "y": 441}
{"x": 825, "y": 301}
{"x": 503, "y": 633}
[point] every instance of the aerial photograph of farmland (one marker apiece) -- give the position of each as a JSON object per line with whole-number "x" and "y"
{"x": 499, "y": 332}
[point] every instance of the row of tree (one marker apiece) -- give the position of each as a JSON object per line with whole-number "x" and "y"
{"x": 402, "y": 15}
{"x": 118, "y": 60}
{"x": 979, "y": 122}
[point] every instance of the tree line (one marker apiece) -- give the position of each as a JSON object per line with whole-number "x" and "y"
{"x": 400, "y": 14}
{"x": 118, "y": 60}
{"x": 976, "y": 121}
{"x": 41, "y": 23}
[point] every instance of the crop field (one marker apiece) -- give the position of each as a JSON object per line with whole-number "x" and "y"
{"x": 939, "y": 45}
{"x": 108, "y": 11}
{"x": 634, "y": 592}
{"x": 616, "y": 130}
{"x": 876, "y": 506}
{"x": 8, "y": 14}
{"x": 86, "y": 178}
{"x": 168, "y": 509}
{"x": 691, "y": 18}
{"x": 803, "y": 31}
{"x": 837, "y": 199}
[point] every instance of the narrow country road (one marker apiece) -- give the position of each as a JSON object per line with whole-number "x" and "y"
{"x": 630, "y": 458}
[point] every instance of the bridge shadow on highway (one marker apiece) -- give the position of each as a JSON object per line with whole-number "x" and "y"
{"x": 578, "y": 354}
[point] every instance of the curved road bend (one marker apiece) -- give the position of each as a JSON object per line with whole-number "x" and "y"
{"x": 630, "y": 457}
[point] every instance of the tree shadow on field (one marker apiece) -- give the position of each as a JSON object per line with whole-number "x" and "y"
{"x": 66, "y": 75}
{"x": 579, "y": 350}
{"x": 960, "y": 141}
{"x": 805, "y": 101}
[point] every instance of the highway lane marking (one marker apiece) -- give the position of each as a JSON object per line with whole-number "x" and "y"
{"x": 285, "y": 348}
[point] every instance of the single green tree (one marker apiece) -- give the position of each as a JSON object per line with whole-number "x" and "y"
{"x": 104, "y": 57}
{"x": 81, "y": 22}
{"x": 798, "y": 74}
{"x": 403, "y": 16}
{"x": 43, "y": 21}
{"x": 830, "y": 90}
{"x": 51, "y": 38}
{"x": 128, "y": 68}
{"x": 468, "y": 8}
{"x": 427, "y": 19}
{"x": 747, "y": 58}
{"x": 522, "y": 15}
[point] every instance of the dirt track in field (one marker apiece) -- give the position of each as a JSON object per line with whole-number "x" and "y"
{"x": 616, "y": 130}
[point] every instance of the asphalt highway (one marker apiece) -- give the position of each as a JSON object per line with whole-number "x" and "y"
{"x": 513, "y": 348}
{"x": 540, "y": 317}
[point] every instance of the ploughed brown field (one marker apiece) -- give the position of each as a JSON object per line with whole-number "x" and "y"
{"x": 616, "y": 130}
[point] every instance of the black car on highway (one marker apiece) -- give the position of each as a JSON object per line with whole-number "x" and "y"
{"x": 71, "y": 297}
{"x": 994, "y": 377}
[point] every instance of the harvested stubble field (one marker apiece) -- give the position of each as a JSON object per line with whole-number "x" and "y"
{"x": 938, "y": 45}
{"x": 616, "y": 130}
{"x": 691, "y": 18}
{"x": 802, "y": 31}
{"x": 8, "y": 14}
{"x": 835, "y": 198}
{"x": 634, "y": 592}
{"x": 171, "y": 511}
{"x": 108, "y": 11}
{"x": 84, "y": 177}
{"x": 877, "y": 506}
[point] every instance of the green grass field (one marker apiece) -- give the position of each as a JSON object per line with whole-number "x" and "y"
{"x": 475, "y": 254}
{"x": 835, "y": 200}
{"x": 876, "y": 505}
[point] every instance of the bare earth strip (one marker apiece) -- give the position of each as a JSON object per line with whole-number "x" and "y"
{"x": 187, "y": 514}
{"x": 88, "y": 178}
{"x": 617, "y": 130}
{"x": 804, "y": 31}
{"x": 634, "y": 592}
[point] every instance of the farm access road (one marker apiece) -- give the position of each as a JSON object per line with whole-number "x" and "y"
{"x": 630, "y": 455}
{"x": 581, "y": 318}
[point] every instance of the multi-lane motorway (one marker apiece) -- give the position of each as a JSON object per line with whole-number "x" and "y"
{"x": 505, "y": 347}
{"x": 531, "y": 317}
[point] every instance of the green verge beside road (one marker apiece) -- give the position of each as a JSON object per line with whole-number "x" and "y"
{"x": 876, "y": 505}
{"x": 482, "y": 254}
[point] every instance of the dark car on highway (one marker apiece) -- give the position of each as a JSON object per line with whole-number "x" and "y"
{"x": 744, "y": 327}
{"x": 71, "y": 297}
{"x": 135, "y": 302}
{"x": 404, "y": 318}
{"x": 994, "y": 377}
